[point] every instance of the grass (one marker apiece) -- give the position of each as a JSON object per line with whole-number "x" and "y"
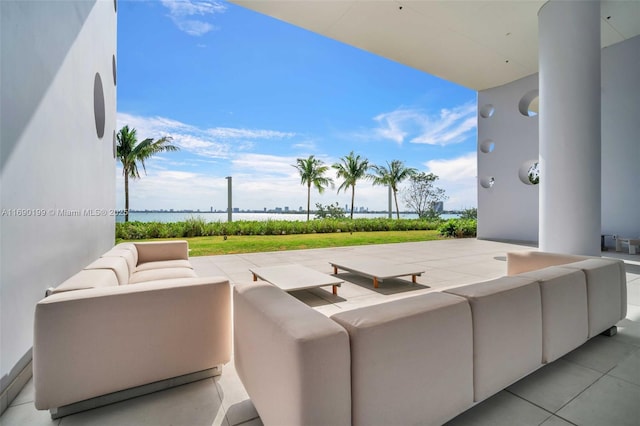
{"x": 236, "y": 244}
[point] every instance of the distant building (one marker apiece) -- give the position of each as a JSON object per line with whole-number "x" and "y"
{"x": 236, "y": 210}
{"x": 286, "y": 208}
{"x": 278, "y": 209}
{"x": 439, "y": 207}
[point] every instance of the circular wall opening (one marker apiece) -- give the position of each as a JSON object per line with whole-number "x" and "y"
{"x": 114, "y": 69}
{"x": 529, "y": 172}
{"x": 98, "y": 105}
{"x": 487, "y": 146}
{"x": 529, "y": 105}
{"x": 487, "y": 111}
{"x": 487, "y": 182}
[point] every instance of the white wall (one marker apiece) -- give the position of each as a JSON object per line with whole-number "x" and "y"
{"x": 508, "y": 210}
{"x": 51, "y": 155}
{"x": 621, "y": 139}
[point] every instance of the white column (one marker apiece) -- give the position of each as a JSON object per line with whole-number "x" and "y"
{"x": 569, "y": 61}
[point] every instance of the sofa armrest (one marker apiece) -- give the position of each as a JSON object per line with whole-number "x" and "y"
{"x": 162, "y": 250}
{"x": 97, "y": 341}
{"x": 518, "y": 262}
{"x": 293, "y": 361}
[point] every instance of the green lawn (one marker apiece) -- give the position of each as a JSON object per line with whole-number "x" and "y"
{"x": 234, "y": 244}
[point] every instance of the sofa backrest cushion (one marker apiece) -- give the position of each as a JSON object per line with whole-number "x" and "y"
{"x": 565, "y": 315}
{"x": 411, "y": 360}
{"x": 294, "y": 362}
{"x": 507, "y": 331}
{"x": 127, "y": 255}
{"x": 117, "y": 264}
{"x": 128, "y": 246}
{"x": 606, "y": 292}
{"x": 87, "y": 279}
{"x": 518, "y": 262}
{"x": 162, "y": 250}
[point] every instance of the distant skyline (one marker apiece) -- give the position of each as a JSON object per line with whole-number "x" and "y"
{"x": 244, "y": 95}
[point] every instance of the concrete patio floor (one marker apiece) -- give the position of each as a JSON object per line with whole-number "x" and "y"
{"x": 597, "y": 384}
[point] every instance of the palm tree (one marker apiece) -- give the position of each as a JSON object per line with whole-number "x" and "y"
{"x": 351, "y": 169}
{"x": 312, "y": 172}
{"x": 392, "y": 175}
{"x": 130, "y": 153}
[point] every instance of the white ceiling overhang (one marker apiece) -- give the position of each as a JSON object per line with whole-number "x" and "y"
{"x": 477, "y": 44}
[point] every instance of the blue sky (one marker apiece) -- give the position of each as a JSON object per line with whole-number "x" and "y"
{"x": 244, "y": 95}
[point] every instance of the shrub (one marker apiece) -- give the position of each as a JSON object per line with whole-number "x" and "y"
{"x": 197, "y": 226}
{"x": 194, "y": 227}
{"x": 459, "y": 228}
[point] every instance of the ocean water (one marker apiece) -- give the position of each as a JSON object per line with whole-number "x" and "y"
{"x": 222, "y": 217}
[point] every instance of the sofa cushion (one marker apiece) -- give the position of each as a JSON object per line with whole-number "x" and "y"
{"x": 507, "y": 331}
{"x": 127, "y": 255}
{"x": 606, "y": 292}
{"x": 293, "y": 361}
{"x": 178, "y": 263}
{"x": 87, "y": 279}
{"x": 411, "y": 360}
{"x": 117, "y": 264}
{"x": 128, "y": 246}
{"x": 518, "y": 262}
{"x": 162, "y": 250}
{"x": 161, "y": 274}
{"x": 565, "y": 319}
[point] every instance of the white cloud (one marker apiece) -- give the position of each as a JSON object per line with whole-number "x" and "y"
{"x": 194, "y": 27}
{"x": 305, "y": 146}
{"x": 458, "y": 177}
{"x": 219, "y": 142}
{"x": 263, "y": 164}
{"x": 182, "y": 13}
{"x": 393, "y": 124}
{"x": 231, "y": 133}
{"x": 450, "y": 126}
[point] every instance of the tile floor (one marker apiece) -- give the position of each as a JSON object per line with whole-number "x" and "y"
{"x": 597, "y": 384}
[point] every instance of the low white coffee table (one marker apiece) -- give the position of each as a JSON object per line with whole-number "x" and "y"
{"x": 295, "y": 277}
{"x": 377, "y": 269}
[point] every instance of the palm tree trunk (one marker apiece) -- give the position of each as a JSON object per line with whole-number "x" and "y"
{"x": 353, "y": 196}
{"x": 126, "y": 197}
{"x": 395, "y": 197}
{"x": 308, "y": 200}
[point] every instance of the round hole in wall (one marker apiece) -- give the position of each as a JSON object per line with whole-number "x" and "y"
{"x": 487, "y": 111}
{"x": 114, "y": 69}
{"x": 529, "y": 172}
{"x": 529, "y": 104}
{"x": 487, "y": 146}
{"x": 487, "y": 182}
{"x": 98, "y": 105}
{"x": 115, "y": 143}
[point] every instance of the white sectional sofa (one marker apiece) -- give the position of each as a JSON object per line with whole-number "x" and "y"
{"x": 422, "y": 359}
{"x": 134, "y": 321}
